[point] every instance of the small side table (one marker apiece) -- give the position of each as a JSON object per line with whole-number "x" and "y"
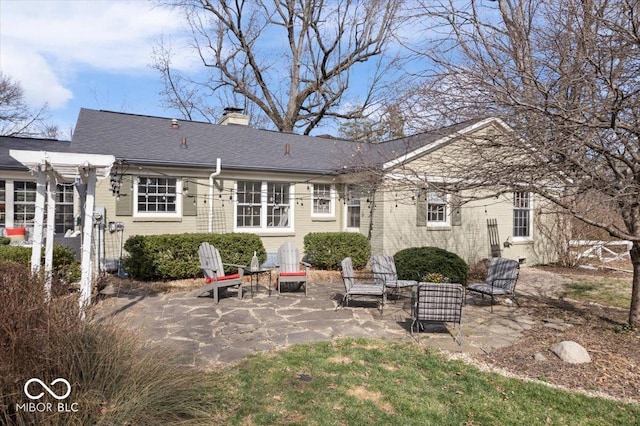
{"x": 256, "y": 273}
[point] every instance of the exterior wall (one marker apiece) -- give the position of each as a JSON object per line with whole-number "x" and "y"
{"x": 399, "y": 226}
{"x": 469, "y": 239}
{"x": 224, "y": 201}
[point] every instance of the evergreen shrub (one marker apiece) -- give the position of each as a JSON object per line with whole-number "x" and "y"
{"x": 419, "y": 262}
{"x": 65, "y": 264}
{"x": 175, "y": 256}
{"x": 325, "y": 250}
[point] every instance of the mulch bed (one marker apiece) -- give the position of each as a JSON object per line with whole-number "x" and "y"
{"x": 614, "y": 349}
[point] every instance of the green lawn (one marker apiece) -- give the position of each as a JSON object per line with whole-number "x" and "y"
{"x": 609, "y": 291}
{"x": 364, "y": 382}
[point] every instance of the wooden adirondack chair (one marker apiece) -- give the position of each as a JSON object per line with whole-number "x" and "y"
{"x": 213, "y": 268}
{"x": 289, "y": 267}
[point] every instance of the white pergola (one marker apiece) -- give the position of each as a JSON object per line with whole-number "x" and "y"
{"x": 52, "y": 168}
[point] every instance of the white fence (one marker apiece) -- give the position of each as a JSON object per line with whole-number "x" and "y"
{"x": 604, "y": 251}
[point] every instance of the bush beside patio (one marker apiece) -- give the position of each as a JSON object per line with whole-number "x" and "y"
{"x": 419, "y": 262}
{"x": 325, "y": 250}
{"x": 175, "y": 256}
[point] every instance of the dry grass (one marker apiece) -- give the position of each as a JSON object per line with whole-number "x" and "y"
{"x": 114, "y": 377}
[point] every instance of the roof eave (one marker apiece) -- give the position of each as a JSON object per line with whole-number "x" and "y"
{"x": 438, "y": 143}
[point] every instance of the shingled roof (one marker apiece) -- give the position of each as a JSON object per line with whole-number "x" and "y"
{"x": 142, "y": 139}
{"x": 8, "y": 143}
{"x": 147, "y": 140}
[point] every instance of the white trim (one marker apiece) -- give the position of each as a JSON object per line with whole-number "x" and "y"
{"x": 530, "y": 236}
{"x": 178, "y": 195}
{"x": 332, "y": 201}
{"x": 263, "y": 228}
{"x": 346, "y": 206}
{"x": 442, "y": 141}
{"x": 447, "y": 203}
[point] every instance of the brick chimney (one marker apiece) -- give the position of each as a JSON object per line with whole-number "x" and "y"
{"x": 232, "y": 115}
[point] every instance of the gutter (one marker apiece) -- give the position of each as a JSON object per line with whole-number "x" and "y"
{"x": 211, "y": 176}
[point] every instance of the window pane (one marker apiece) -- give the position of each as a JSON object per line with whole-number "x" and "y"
{"x": 521, "y": 214}
{"x": 3, "y": 206}
{"x": 322, "y": 199}
{"x": 436, "y": 207}
{"x": 157, "y": 195}
{"x": 24, "y": 197}
{"x": 353, "y": 207}
{"x": 64, "y": 209}
{"x": 249, "y": 204}
{"x": 277, "y": 205}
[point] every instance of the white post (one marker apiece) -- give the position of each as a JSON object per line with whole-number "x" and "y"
{"x": 211, "y": 184}
{"x": 87, "y": 232}
{"x": 38, "y": 222}
{"x": 51, "y": 215}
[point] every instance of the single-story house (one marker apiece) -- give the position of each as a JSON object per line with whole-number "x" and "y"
{"x": 176, "y": 176}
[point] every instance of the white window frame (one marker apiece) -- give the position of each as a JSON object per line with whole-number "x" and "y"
{"x": 251, "y": 204}
{"x": 3, "y": 203}
{"x": 61, "y": 203}
{"x": 529, "y": 217}
{"x": 446, "y": 204}
{"x": 331, "y": 200}
{"x": 265, "y": 203}
{"x": 143, "y": 214}
{"x": 17, "y": 203}
{"x": 349, "y": 190}
{"x": 10, "y": 204}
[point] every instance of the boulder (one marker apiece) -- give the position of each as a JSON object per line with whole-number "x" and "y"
{"x": 539, "y": 357}
{"x": 571, "y": 352}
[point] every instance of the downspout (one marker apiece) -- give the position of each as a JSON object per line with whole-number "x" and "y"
{"x": 211, "y": 176}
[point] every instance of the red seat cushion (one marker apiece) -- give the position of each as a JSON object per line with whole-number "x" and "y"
{"x": 229, "y": 277}
{"x": 223, "y": 278}
{"x": 15, "y": 231}
{"x": 293, "y": 274}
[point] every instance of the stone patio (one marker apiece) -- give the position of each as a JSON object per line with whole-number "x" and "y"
{"x": 208, "y": 335}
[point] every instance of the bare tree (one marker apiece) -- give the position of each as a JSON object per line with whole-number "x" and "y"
{"x": 387, "y": 122}
{"x": 291, "y": 60}
{"x": 564, "y": 75}
{"x": 16, "y": 118}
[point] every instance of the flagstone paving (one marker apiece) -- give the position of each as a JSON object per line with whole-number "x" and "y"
{"x": 209, "y": 335}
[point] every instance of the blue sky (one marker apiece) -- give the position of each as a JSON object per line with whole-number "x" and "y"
{"x": 97, "y": 54}
{"x": 94, "y": 54}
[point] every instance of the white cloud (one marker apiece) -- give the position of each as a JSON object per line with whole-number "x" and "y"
{"x": 46, "y": 44}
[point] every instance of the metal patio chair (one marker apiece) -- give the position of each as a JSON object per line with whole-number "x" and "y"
{"x": 353, "y": 289}
{"x": 438, "y": 302}
{"x": 384, "y": 272}
{"x": 501, "y": 280}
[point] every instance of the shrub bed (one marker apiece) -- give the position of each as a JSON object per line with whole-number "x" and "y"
{"x": 175, "y": 256}
{"x": 65, "y": 264}
{"x": 325, "y": 250}
{"x": 418, "y": 262}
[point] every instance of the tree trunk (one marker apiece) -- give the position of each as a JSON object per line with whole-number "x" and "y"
{"x": 634, "y": 310}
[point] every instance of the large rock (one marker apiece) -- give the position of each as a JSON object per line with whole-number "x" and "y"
{"x": 571, "y": 352}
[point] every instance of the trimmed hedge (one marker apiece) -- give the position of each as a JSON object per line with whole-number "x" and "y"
{"x": 5, "y": 241}
{"x": 175, "y": 256}
{"x": 325, "y": 250}
{"x": 421, "y": 261}
{"x": 64, "y": 260}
